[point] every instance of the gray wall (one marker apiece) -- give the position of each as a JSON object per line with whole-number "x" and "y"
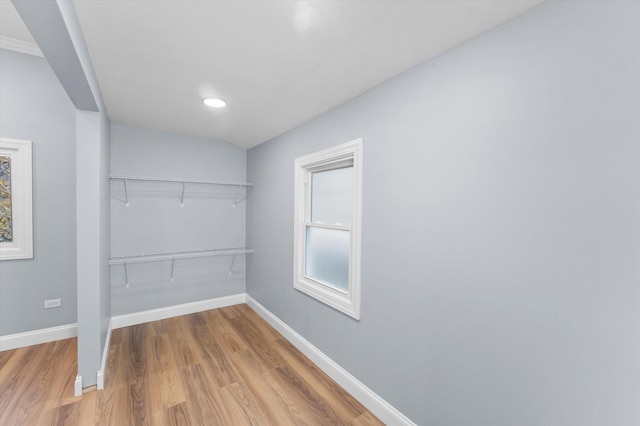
{"x": 155, "y": 222}
{"x": 500, "y": 231}
{"x": 55, "y": 27}
{"x": 34, "y": 106}
{"x": 105, "y": 229}
{"x": 91, "y": 144}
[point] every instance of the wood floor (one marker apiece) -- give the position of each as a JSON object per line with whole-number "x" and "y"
{"x": 220, "y": 367}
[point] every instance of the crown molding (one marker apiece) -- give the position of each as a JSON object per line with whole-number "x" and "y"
{"x": 20, "y": 46}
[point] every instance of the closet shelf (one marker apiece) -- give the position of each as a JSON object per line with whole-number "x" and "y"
{"x": 183, "y": 182}
{"x": 171, "y": 180}
{"x": 126, "y": 260}
{"x": 178, "y": 255}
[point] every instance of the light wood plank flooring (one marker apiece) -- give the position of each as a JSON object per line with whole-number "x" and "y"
{"x": 220, "y": 367}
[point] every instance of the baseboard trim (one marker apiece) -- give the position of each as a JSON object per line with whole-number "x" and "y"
{"x": 77, "y": 386}
{"x": 176, "y": 310}
{"x": 36, "y": 337}
{"x": 105, "y": 356}
{"x": 378, "y": 406}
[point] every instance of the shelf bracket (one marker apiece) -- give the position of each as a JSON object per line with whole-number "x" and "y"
{"x": 126, "y": 276}
{"x": 173, "y": 262}
{"x": 233, "y": 261}
{"x": 237, "y": 200}
{"x": 182, "y": 197}
{"x": 126, "y": 193}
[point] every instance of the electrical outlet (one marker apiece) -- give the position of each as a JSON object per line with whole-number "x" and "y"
{"x": 52, "y": 303}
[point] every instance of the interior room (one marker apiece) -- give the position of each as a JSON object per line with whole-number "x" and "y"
{"x": 360, "y": 212}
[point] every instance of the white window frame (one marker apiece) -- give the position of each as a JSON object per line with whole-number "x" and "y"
{"x": 20, "y": 153}
{"x": 348, "y": 301}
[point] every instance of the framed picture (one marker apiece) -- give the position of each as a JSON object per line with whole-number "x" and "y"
{"x": 16, "y": 207}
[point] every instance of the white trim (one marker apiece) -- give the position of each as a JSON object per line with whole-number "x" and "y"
{"x": 20, "y": 46}
{"x": 105, "y": 356}
{"x": 176, "y": 310}
{"x": 36, "y": 337}
{"x": 21, "y": 160}
{"x": 372, "y": 401}
{"x": 347, "y": 153}
{"x": 100, "y": 379}
{"x": 378, "y": 406}
{"x": 77, "y": 386}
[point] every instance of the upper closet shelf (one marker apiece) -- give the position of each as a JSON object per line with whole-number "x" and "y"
{"x": 178, "y": 255}
{"x": 184, "y": 183}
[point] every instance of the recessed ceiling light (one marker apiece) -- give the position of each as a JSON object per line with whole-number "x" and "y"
{"x": 215, "y": 102}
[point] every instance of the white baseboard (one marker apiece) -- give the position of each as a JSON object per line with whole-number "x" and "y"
{"x": 77, "y": 386}
{"x": 105, "y": 356}
{"x": 36, "y": 337}
{"x": 176, "y": 310}
{"x": 378, "y": 406}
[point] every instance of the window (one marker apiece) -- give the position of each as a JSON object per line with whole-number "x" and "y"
{"x": 327, "y": 226}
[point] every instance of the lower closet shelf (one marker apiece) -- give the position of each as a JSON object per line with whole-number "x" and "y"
{"x": 173, "y": 256}
{"x": 178, "y": 255}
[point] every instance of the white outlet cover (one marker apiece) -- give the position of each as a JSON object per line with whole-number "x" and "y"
{"x": 52, "y": 303}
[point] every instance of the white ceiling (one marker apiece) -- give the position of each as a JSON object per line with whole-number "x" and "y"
{"x": 11, "y": 25}
{"x": 277, "y": 63}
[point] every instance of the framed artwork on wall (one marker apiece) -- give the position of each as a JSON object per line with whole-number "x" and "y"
{"x": 16, "y": 206}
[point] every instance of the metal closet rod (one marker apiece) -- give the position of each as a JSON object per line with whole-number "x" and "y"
{"x": 175, "y": 180}
{"x": 178, "y": 255}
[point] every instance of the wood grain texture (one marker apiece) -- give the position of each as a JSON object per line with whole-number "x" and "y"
{"x": 220, "y": 367}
